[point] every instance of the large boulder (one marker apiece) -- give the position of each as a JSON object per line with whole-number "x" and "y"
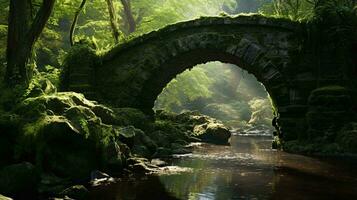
{"x": 59, "y": 147}
{"x": 19, "y": 180}
{"x": 212, "y": 132}
{"x": 65, "y": 134}
{"x": 139, "y": 143}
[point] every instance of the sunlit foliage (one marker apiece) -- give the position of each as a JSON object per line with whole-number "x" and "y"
{"x": 220, "y": 90}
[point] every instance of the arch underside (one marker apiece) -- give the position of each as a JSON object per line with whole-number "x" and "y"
{"x": 272, "y": 80}
{"x": 262, "y": 54}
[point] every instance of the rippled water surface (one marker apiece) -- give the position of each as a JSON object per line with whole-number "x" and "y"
{"x": 247, "y": 169}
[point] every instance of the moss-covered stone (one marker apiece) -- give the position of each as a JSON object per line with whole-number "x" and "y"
{"x": 19, "y": 180}
{"x": 131, "y": 117}
{"x": 191, "y": 124}
{"x": 139, "y": 143}
{"x": 78, "y": 192}
{"x": 212, "y": 132}
{"x": 52, "y": 185}
{"x": 58, "y": 147}
{"x": 63, "y": 133}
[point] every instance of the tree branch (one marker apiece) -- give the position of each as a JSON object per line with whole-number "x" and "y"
{"x": 73, "y": 26}
{"x": 40, "y": 20}
{"x": 113, "y": 20}
{"x": 129, "y": 15}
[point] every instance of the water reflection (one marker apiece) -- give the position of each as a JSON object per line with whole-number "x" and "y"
{"x": 149, "y": 187}
{"x": 247, "y": 169}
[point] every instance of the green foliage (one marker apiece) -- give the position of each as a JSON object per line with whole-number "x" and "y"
{"x": 337, "y": 19}
{"x": 186, "y": 88}
{"x": 218, "y": 90}
{"x": 4, "y": 9}
{"x": 45, "y": 82}
{"x": 262, "y": 112}
{"x": 244, "y": 6}
{"x": 296, "y": 10}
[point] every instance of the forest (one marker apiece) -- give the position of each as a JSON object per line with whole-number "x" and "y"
{"x": 178, "y": 99}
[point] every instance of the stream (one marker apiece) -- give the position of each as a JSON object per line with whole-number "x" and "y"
{"x": 247, "y": 169}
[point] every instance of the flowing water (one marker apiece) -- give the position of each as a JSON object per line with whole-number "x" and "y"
{"x": 247, "y": 169}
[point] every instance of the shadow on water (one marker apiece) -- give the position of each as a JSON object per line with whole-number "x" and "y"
{"x": 248, "y": 169}
{"x": 149, "y": 187}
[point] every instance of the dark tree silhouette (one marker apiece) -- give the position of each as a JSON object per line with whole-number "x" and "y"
{"x": 23, "y": 31}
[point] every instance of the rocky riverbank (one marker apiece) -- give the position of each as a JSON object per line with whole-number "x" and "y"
{"x": 54, "y": 144}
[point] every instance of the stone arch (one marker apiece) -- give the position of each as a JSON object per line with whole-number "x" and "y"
{"x": 134, "y": 74}
{"x": 246, "y": 55}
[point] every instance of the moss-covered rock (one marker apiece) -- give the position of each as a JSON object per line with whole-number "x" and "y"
{"x": 19, "y": 180}
{"x": 64, "y": 135}
{"x": 53, "y": 104}
{"x": 78, "y": 192}
{"x": 58, "y": 147}
{"x": 141, "y": 165}
{"x": 52, "y": 185}
{"x": 132, "y": 117}
{"x": 212, "y": 132}
{"x": 139, "y": 143}
{"x": 191, "y": 124}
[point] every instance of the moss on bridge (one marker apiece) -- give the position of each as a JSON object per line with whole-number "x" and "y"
{"x": 241, "y": 19}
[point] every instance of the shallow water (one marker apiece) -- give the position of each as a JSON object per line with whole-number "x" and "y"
{"x": 247, "y": 169}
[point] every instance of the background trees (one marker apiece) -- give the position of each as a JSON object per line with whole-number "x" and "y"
{"x": 220, "y": 90}
{"x": 25, "y": 25}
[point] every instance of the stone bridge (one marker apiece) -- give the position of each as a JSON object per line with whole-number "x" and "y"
{"x": 278, "y": 52}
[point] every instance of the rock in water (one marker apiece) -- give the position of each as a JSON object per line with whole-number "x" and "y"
{"x": 99, "y": 178}
{"x": 78, "y": 192}
{"x": 98, "y": 175}
{"x": 212, "y": 132}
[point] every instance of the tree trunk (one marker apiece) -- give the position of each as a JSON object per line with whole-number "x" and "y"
{"x": 22, "y": 34}
{"x": 128, "y": 14}
{"x": 113, "y": 20}
{"x": 74, "y": 22}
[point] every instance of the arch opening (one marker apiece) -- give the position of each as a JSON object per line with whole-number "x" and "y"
{"x": 162, "y": 75}
{"x": 222, "y": 91}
